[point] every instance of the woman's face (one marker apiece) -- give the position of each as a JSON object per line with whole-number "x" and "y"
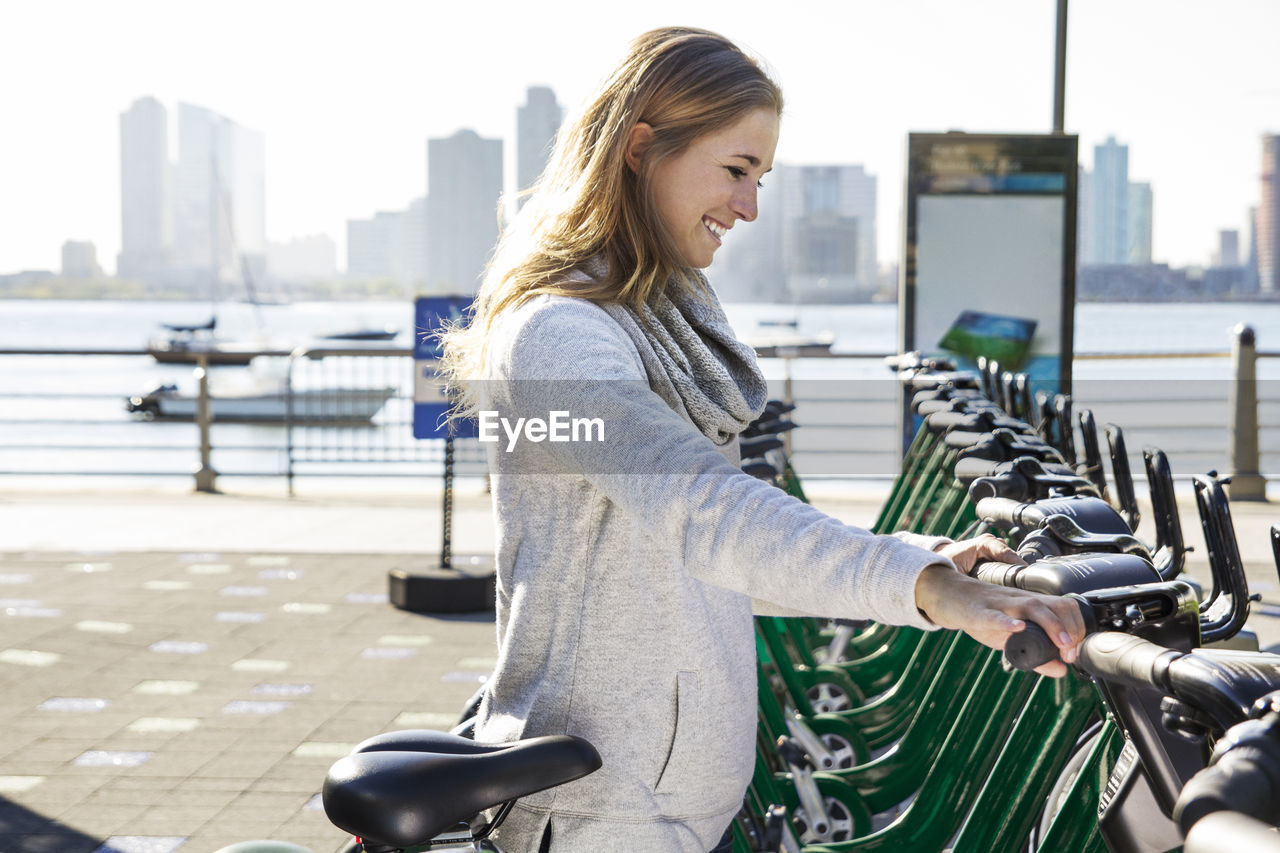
{"x": 703, "y": 191}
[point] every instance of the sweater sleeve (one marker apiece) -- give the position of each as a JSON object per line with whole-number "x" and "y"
{"x": 567, "y": 356}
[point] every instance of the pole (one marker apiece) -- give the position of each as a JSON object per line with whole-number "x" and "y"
{"x": 446, "y": 526}
{"x": 1060, "y": 72}
{"x": 1246, "y": 483}
{"x": 206, "y": 476}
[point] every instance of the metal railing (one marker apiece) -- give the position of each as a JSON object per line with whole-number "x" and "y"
{"x": 849, "y": 425}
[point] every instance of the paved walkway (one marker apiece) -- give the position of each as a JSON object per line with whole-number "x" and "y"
{"x": 178, "y": 670}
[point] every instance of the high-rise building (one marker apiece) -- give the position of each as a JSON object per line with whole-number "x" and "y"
{"x": 80, "y": 260}
{"x": 369, "y": 245}
{"x": 464, "y": 182}
{"x": 829, "y": 232}
{"x": 814, "y": 239}
{"x": 410, "y": 246}
{"x": 537, "y": 123}
{"x": 1108, "y": 204}
{"x": 146, "y": 221}
{"x": 1268, "y": 217}
{"x": 219, "y": 199}
{"x": 392, "y": 245}
{"x": 1084, "y": 232}
{"x": 1228, "y": 252}
{"x": 1139, "y": 223}
{"x": 1251, "y": 262}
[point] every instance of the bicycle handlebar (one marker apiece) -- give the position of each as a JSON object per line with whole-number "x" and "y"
{"x": 1231, "y": 831}
{"x": 1125, "y": 659}
{"x": 1243, "y": 775}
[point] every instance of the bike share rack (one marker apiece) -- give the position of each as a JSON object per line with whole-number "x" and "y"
{"x": 882, "y": 738}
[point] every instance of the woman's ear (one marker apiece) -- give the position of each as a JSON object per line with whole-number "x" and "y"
{"x": 638, "y": 142}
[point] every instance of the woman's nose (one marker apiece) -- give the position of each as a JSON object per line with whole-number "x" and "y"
{"x": 744, "y": 204}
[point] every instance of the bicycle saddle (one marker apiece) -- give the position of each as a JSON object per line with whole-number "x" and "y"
{"x": 405, "y": 788}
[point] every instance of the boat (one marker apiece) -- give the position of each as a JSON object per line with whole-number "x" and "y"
{"x": 306, "y": 406}
{"x": 780, "y": 343}
{"x": 185, "y": 344}
{"x": 373, "y": 333}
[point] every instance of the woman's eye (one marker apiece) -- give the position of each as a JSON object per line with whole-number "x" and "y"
{"x": 738, "y": 174}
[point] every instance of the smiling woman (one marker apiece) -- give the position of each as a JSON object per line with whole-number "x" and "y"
{"x": 700, "y": 193}
{"x": 628, "y": 568}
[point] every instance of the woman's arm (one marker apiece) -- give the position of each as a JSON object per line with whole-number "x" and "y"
{"x": 732, "y": 530}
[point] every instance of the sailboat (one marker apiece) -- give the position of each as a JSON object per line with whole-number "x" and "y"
{"x": 185, "y": 343}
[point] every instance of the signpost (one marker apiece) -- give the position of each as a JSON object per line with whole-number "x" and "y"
{"x": 990, "y": 227}
{"x": 446, "y": 588}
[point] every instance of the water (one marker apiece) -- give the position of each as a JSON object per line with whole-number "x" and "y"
{"x": 84, "y": 396}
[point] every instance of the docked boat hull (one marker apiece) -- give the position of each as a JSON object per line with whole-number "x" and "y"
{"x": 214, "y": 355}
{"x": 322, "y": 405}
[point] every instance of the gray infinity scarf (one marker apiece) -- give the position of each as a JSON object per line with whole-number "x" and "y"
{"x": 692, "y": 359}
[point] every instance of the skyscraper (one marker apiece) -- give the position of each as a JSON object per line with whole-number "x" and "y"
{"x": 391, "y": 245}
{"x": 1268, "y": 217}
{"x": 80, "y": 260}
{"x": 829, "y": 232}
{"x": 219, "y": 198}
{"x": 537, "y": 123}
{"x": 1139, "y": 223}
{"x": 1108, "y": 202}
{"x": 464, "y": 182}
{"x": 1228, "y": 253}
{"x": 146, "y": 222}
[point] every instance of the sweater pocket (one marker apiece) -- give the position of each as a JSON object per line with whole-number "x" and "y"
{"x": 684, "y": 740}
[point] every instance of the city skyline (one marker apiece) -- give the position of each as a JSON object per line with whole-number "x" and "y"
{"x": 347, "y": 103}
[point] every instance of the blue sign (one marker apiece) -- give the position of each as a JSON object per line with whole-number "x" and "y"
{"x": 430, "y": 402}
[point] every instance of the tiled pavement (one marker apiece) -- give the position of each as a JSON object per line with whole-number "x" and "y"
{"x": 177, "y": 671}
{"x": 162, "y": 699}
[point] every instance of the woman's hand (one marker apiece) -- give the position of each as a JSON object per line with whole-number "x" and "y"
{"x": 990, "y": 613}
{"x": 986, "y": 548}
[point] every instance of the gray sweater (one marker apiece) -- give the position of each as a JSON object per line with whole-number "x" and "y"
{"x": 627, "y": 572}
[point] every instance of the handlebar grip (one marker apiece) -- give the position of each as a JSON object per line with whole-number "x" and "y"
{"x": 1126, "y": 659}
{"x": 997, "y": 573}
{"x": 1029, "y": 648}
{"x": 1231, "y": 831}
{"x": 971, "y": 468}
{"x": 1004, "y": 513}
{"x": 1243, "y": 781}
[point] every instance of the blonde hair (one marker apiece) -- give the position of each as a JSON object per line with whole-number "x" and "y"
{"x": 681, "y": 81}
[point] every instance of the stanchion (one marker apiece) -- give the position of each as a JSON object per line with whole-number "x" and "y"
{"x": 1247, "y": 484}
{"x": 206, "y": 476}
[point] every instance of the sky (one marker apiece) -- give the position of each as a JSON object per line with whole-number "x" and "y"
{"x": 348, "y": 93}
